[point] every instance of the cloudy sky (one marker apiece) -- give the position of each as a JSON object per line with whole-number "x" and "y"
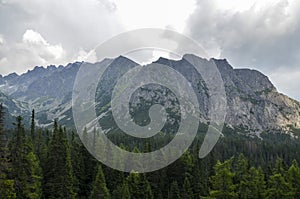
{"x": 262, "y": 34}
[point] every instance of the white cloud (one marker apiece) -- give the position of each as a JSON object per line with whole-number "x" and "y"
{"x": 155, "y": 13}
{"x": 261, "y": 34}
{"x": 287, "y": 81}
{"x": 34, "y": 41}
{"x": 33, "y": 37}
{"x": 55, "y": 31}
{"x": 255, "y": 34}
{"x": 90, "y": 56}
{"x": 33, "y": 50}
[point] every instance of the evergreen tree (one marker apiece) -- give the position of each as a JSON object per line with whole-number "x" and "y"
{"x": 255, "y": 185}
{"x": 293, "y": 179}
{"x": 187, "y": 192}
{"x": 222, "y": 181}
{"x": 174, "y": 191}
{"x": 278, "y": 188}
{"x": 182, "y": 166}
{"x": 139, "y": 186}
{"x": 3, "y": 140}
{"x": 121, "y": 192}
{"x": 58, "y": 171}
{"x": 7, "y": 190}
{"x": 125, "y": 194}
{"x": 200, "y": 173}
{"x": 32, "y": 128}
{"x": 80, "y": 186}
{"x": 4, "y": 159}
{"x": 99, "y": 186}
{"x": 26, "y": 167}
{"x": 242, "y": 177}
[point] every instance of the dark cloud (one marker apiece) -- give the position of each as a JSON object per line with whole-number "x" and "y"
{"x": 262, "y": 37}
{"x": 74, "y": 25}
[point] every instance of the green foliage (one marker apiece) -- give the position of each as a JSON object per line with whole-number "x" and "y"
{"x": 26, "y": 167}
{"x": 174, "y": 192}
{"x": 187, "y": 191}
{"x": 58, "y": 171}
{"x": 222, "y": 181}
{"x": 122, "y": 191}
{"x": 32, "y": 128}
{"x": 293, "y": 179}
{"x": 278, "y": 188}
{"x": 7, "y": 190}
{"x": 99, "y": 187}
{"x": 78, "y": 167}
{"x": 242, "y": 177}
{"x": 70, "y": 171}
{"x": 139, "y": 186}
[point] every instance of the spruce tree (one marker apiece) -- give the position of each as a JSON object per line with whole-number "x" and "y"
{"x": 32, "y": 128}
{"x": 293, "y": 179}
{"x": 58, "y": 170}
{"x": 125, "y": 194}
{"x": 278, "y": 188}
{"x": 174, "y": 191}
{"x": 222, "y": 181}
{"x": 3, "y": 146}
{"x": 3, "y": 139}
{"x": 121, "y": 192}
{"x": 79, "y": 171}
{"x": 139, "y": 186}
{"x": 187, "y": 192}
{"x": 242, "y": 177}
{"x": 7, "y": 185}
{"x": 26, "y": 167}
{"x": 255, "y": 185}
{"x": 99, "y": 186}
{"x": 7, "y": 189}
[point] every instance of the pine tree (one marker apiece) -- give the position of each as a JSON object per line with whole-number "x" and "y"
{"x": 293, "y": 179}
{"x": 174, "y": 191}
{"x": 7, "y": 190}
{"x": 255, "y": 184}
{"x": 80, "y": 186}
{"x": 278, "y": 188}
{"x": 3, "y": 140}
{"x": 99, "y": 186}
{"x": 90, "y": 163}
{"x": 139, "y": 186}
{"x": 187, "y": 189}
{"x": 125, "y": 194}
{"x": 242, "y": 177}
{"x": 4, "y": 161}
{"x": 32, "y": 128}
{"x": 58, "y": 171}
{"x": 200, "y": 173}
{"x": 181, "y": 168}
{"x": 121, "y": 192}
{"x": 26, "y": 167}
{"x": 222, "y": 181}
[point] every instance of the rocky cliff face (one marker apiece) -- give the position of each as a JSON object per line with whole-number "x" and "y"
{"x": 253, "y": 102}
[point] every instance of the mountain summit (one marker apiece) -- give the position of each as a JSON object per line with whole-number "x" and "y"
{"x": 254, "y": 104}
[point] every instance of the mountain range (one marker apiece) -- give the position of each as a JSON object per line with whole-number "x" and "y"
{"x": 253, "y": 103}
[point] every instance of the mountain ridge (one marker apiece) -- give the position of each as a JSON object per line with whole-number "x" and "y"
{"x": 253, "y": 101}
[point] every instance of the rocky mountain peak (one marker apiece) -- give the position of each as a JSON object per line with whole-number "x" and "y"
{"x": 253, "y": 102}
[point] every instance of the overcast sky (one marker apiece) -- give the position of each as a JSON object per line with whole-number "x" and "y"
{"x": 263, "y": 35}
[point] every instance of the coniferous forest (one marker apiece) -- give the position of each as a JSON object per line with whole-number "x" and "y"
{"x": 53, "y": 163}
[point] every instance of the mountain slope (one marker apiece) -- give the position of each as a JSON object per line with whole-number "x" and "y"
{"x": 254, "y": 104}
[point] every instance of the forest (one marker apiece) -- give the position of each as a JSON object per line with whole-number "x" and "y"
{"x": 53, "y": 163}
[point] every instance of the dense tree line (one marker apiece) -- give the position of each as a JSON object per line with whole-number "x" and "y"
{"x": 42, "y": 163}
